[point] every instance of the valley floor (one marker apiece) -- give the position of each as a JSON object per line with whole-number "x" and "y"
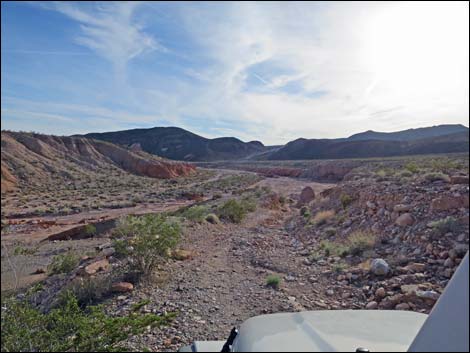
{"x": 412, "y": 215}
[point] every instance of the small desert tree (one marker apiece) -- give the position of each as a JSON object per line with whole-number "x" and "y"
{"x": 151, "y": 237}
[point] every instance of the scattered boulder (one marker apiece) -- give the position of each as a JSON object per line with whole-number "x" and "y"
{"x": 459, "y": 179}
{"x": 380, "y": 293}
{"x": 428, "y": 295}
{"x": 406, "y": 219}
{"x": 100, "y": 265}
{"x": 415, "y": 267}
{"x": 402, "y": 306}
{"x": 372, "y": 305}
{"x": 306, "y": 196}
{"x": 448, "y": 202}
{"x": 181, "y": 255}
{"x": 379, "y": 267}
{"x": 122, "y": 287}
{"x": 402, "y": 208}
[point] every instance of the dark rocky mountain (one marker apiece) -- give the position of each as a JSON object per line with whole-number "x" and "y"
{"x": 179, "y": 144}
{"x": 341, "y": 148}
{"x": 410, "y": 134}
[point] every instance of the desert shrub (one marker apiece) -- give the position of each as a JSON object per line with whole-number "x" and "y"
{"x": 412, "y": 167}
{"x": 332, "y": 248}
{"x": 151, "y": 237}
{"x": 140, "y": 304}
{"x": 87, "y": 290}
{"x": 273, "y": 281}
{"x": 359, "y": 241}
{"x": 445, "y": 225}
{"x": 322, "y": 217}
{"x": 69, "y": 328}
{"x": 212, "y": 218}
{"x": 63, "y": 263}
{"x": 305, "y": 212}
{"x": 444, "y": 165}
{"x": 339, "y": 267}
{"x": 432, "y": 177}
{"x": 405, "y": 174}
{"x": 356, "y": 244}
{"x": 195, "y": 213}
{"x": 90, "y": 229}
{"x": 233, "y": 211}
{"x": 248, "y": 204}
{"x": 20, "y": 250}
{"x": 346, "y": 200}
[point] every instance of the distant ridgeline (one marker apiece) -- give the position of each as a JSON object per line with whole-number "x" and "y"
{"x": 179, "y": 144}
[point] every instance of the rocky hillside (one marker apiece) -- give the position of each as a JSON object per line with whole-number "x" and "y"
{"x": 394, "y": 237}
{"x": 33, "y": 158}
{"x": 345, "y": 148}
{"x": 410, "y": 134}
{"x": 179, "y": 144}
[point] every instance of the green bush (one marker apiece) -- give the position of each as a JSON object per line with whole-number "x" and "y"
{"x": 248, "y": 204}
{"x": 90, "y": 229}
{"x": 412, "y": 167}
{"x": 19, "y": 250}
{"x": 232, "y": 211}
{"x": 346, "y": 200}
{"x": 431, "y": 177}
{"x": 63, "y": 263}
{"x": 445, "y": 225}
{"x": 273, "y": 281}
{"x": 332, "y": 248}
{"x": 87, "y": 290}
{"x": 212, "y": 218}
{"x": 151, "y": 237}
{"x": 195, "y": 213}
{"x": 359, "y": 241}
{"x": 69, "y": 328}
{"x": 356, "y": 244}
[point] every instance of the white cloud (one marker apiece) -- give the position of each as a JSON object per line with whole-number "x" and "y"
{"x": 377, "y": 66}
{"x": 110, "y": 30}
{"x": 326, "y": 47}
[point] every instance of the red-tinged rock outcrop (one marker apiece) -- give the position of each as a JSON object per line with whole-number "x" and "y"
{"x": 31, "y": 158}
{"x": 8, "y": 181}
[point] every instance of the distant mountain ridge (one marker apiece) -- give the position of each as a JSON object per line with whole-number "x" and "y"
{"x": 345, "y": 148}
{"x": 410, "y": 134}
{"x": 179, "y": 144}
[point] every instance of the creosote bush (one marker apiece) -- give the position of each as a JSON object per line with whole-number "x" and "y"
{"x": 63, "y": 263}
{"x": 151, "y": 238}
{"x": 232, "y": 211}
{"x": 195, "y": 213}
{"x": 445, "y": 225}
{"x": 346, "y": 200}
{"x": 90, "y": 229}
{"x": 69, "y": 328}
{"x": 322, "y": 217}
{"x": 273, "y": 281}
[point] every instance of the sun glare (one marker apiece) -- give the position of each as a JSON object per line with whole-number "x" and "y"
{"x": 411, "y": 46}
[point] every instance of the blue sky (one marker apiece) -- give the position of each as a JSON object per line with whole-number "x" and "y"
{"x": 266, "y": 71}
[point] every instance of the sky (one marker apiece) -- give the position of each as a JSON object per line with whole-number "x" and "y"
{"x": 265, "y": 71}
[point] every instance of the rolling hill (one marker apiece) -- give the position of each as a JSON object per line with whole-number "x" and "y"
{"x": 32, "y": 158}
{"x": 179, "y": 144}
